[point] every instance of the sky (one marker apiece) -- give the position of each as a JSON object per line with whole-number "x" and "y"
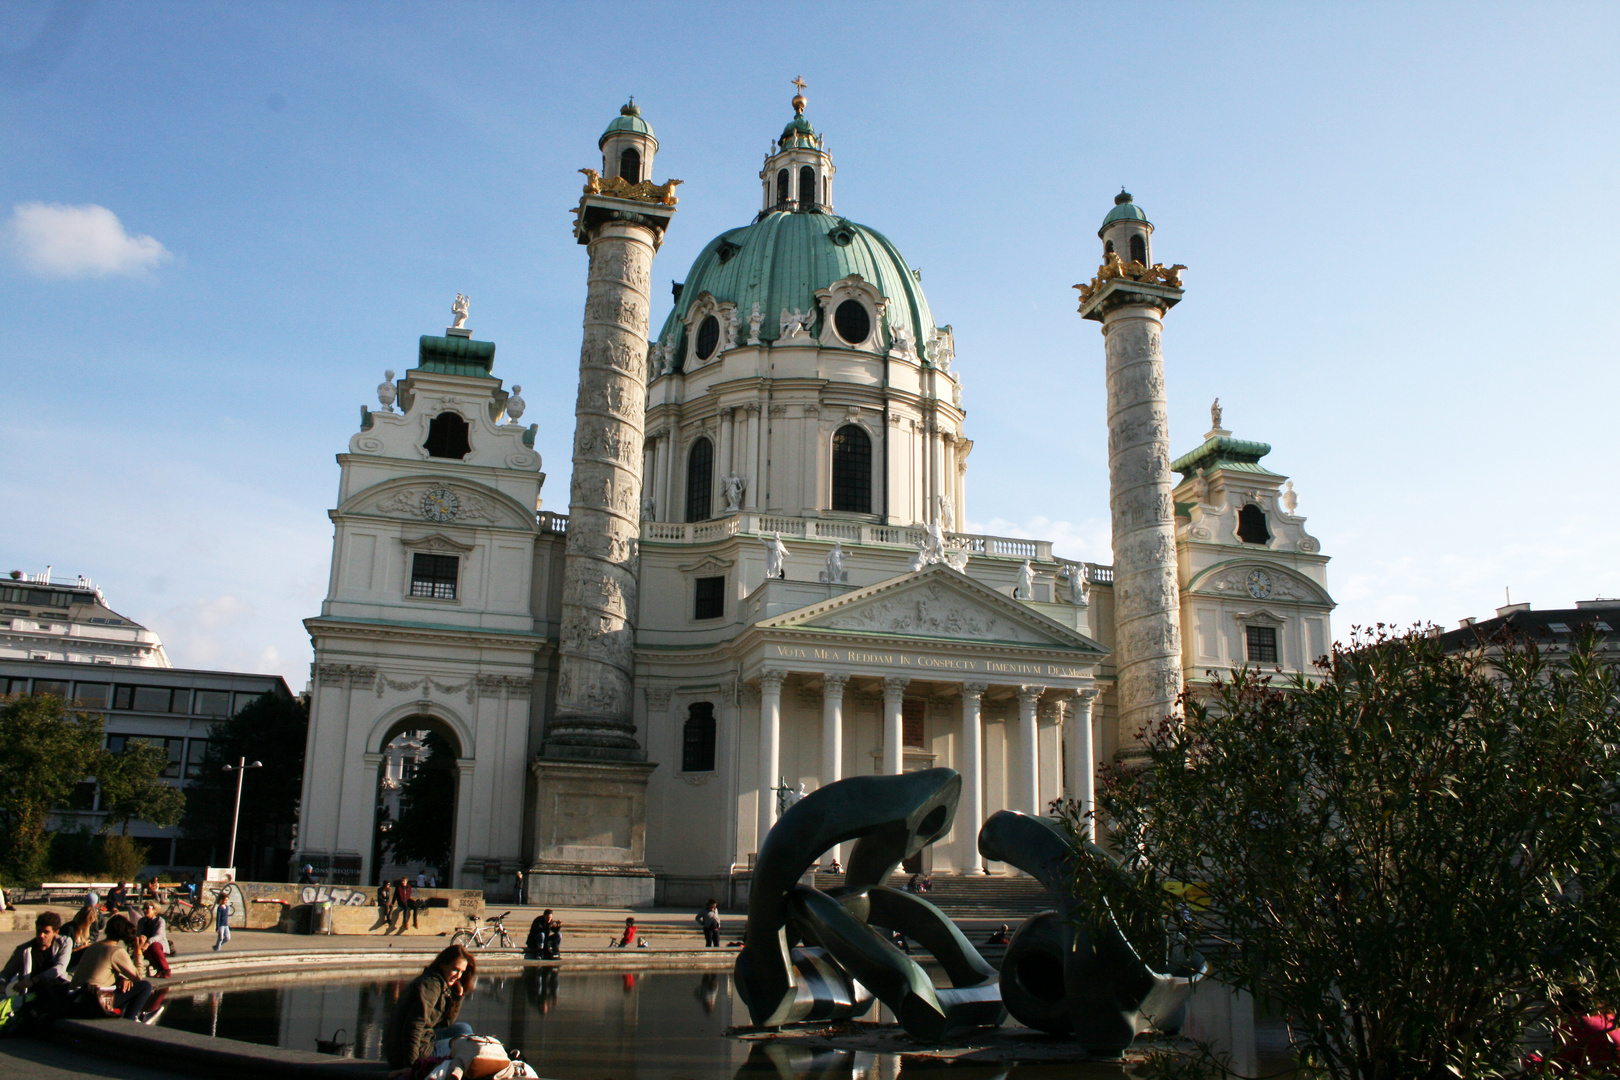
{"x": 220, "y": 223}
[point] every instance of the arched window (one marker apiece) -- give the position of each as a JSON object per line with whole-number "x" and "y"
{"x": 630, "y": 165}
{"x": 852, "y": 470}
{"x": 807, "y": 187}
{"x": 781, "y": 187}
{"x": 697, "y": 738}
{"x": 699, "y": 480}
{"x": 1252, "y": 525}
{"x": 1139, "y": 249}
{"x": 447, "y": 437}
{"x": 1108, "y": 248}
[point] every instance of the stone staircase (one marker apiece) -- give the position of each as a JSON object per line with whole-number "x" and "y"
{"x": 978, "y": 897}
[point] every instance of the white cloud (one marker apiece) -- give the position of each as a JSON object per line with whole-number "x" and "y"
{"x": 58, "y": 241}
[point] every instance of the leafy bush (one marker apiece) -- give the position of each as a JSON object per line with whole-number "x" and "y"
{"x": 1410, "y": 856}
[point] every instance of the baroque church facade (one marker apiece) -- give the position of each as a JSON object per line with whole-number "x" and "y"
{"x": 762, "y": 584}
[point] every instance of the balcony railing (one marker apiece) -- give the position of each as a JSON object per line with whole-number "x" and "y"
{"x": 852, "y": 532}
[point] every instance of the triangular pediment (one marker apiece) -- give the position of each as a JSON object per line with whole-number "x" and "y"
{"x": 938, "y": 604}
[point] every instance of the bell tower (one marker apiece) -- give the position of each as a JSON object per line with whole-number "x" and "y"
{"x": 1130, "y": 296}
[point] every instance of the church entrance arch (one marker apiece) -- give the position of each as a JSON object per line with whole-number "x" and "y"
{"x": 414, "y": 820}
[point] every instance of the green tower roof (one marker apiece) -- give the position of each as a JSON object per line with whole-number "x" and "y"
{"x": 784, "y": 257}
{"x": 1223, "y": 452}
{"x": 456, "y": 355}
{"x": 629, "y": 119}
{"x": 1124, "y": 210}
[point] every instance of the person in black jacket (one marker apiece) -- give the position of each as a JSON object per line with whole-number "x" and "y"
{"x": 432, "y": 1001}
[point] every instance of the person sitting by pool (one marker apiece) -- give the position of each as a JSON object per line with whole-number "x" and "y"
{"x": 629, "y": 939}
{"x": 41, "y": 959}
{"x": 999, "y": 937}
{"x": 534, "y": 947}
{"x": 106, "y": 965}
{"x": 152, "y": 934}
{"x": 432, "y": 1001}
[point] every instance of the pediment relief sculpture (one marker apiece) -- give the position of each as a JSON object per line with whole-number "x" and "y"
{"x": 931, "y": 611}
{"x": 442, "y": 503}
{"x": 1260, "y": 581}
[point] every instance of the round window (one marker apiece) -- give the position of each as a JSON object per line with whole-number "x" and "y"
{"x": 708, "y": 337}
{"x": 852, "y": 322}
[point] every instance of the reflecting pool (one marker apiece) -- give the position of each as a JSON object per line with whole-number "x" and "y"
{"x": 591, "y": 1025}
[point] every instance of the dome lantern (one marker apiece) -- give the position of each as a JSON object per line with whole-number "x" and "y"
{"x": 798, "y": 173}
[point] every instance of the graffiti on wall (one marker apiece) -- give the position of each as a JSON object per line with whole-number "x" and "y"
{"x": 337, "y": 894}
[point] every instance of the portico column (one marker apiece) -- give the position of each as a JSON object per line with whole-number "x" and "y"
{"x": 770, "y": 749}
{"x": 971, "y": 816}
{"x": 894, "y": 693}
{"x": 1027, "y": 767}
{"x": 1082, "y": 766}
{"x": 832, "y": 728}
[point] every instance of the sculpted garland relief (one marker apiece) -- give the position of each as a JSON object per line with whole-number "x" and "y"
{"x": 932, "y": 612}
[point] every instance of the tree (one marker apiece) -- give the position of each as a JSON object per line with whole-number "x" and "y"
{"x": 427, "y": 807}
{"x": 1410, "y": 856}
{"x": 44, "y": 751}
{"x": 270, "y": 729}
{"x": 132, "y": 787}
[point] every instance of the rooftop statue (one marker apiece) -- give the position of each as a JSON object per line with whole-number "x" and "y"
{"x": 775, "y": 556}
{"x": 618, "y": 187}
{"x": 459, "y": 311}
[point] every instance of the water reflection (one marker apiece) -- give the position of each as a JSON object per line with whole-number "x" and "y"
{"x": 580, "y": 1025}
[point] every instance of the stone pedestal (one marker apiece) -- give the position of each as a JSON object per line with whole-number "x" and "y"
{"x": 590, "y": 835}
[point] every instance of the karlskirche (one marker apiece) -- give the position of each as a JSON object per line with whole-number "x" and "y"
{"x": 761, "y": 585}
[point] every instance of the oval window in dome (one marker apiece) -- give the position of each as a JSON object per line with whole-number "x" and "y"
{"x": 852, "y": 322}
{"x": 708, "y": 336}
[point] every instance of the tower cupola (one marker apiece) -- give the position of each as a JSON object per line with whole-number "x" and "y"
{"x": 1127, "y": 232}
{"x": 628, "y": 146}
{"x": 798, "y": 173}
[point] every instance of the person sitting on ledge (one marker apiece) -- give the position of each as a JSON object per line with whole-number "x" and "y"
{"x": 430, "y": 1003}
{"x": 106, "y": 965}
{"x": 999, "y": 937}
{"x": 41, "y": 959}
{"x": 538, "y": 944}
{"x": 629, "y": 939}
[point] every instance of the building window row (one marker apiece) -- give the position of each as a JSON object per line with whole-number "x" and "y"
{"x": 124, "y": 697}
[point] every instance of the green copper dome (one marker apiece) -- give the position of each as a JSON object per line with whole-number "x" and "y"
{"x": 629, "y": 119}
{"x": 1124, "y": 210}
{"x": 783, "y": 258}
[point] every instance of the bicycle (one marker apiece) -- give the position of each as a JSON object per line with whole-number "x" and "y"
{"x": 189, "y": 917}
{"x": 493, "y": 933}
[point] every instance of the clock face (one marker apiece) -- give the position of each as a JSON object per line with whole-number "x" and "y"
{"x": 1259, "y": 584}
{"x": 440, "y": 504}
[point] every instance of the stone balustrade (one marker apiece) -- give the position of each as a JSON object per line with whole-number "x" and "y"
{"x": 848, "y": 532}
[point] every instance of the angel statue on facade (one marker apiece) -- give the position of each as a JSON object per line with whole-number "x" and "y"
{"x": 947, "y": 513}
{"x": 459, "y": 310}
{"x": 834, "y": 574}
{"x": 957, "y": 559}
{"x": 775, "y": 556}
{"x": 934, "y": 548}
{"x": 1215, "y": 413}
{"x": 919, "y": 559}
{"x": 732, "y": 487}
{"x": 754, "y": 321}
{"x": 1026, "y": 582}
{"x": 1079, "y": 588}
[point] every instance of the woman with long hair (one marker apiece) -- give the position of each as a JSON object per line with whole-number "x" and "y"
{"x": 77, "y": 930}
{"x": 430, "y": 1003}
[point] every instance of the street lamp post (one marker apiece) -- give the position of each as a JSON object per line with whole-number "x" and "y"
{"x": 242, "y": 766}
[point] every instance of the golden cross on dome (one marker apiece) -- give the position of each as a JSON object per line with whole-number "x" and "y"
{"x": 798, "y": 80}
{"x": 798, "y": 99}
